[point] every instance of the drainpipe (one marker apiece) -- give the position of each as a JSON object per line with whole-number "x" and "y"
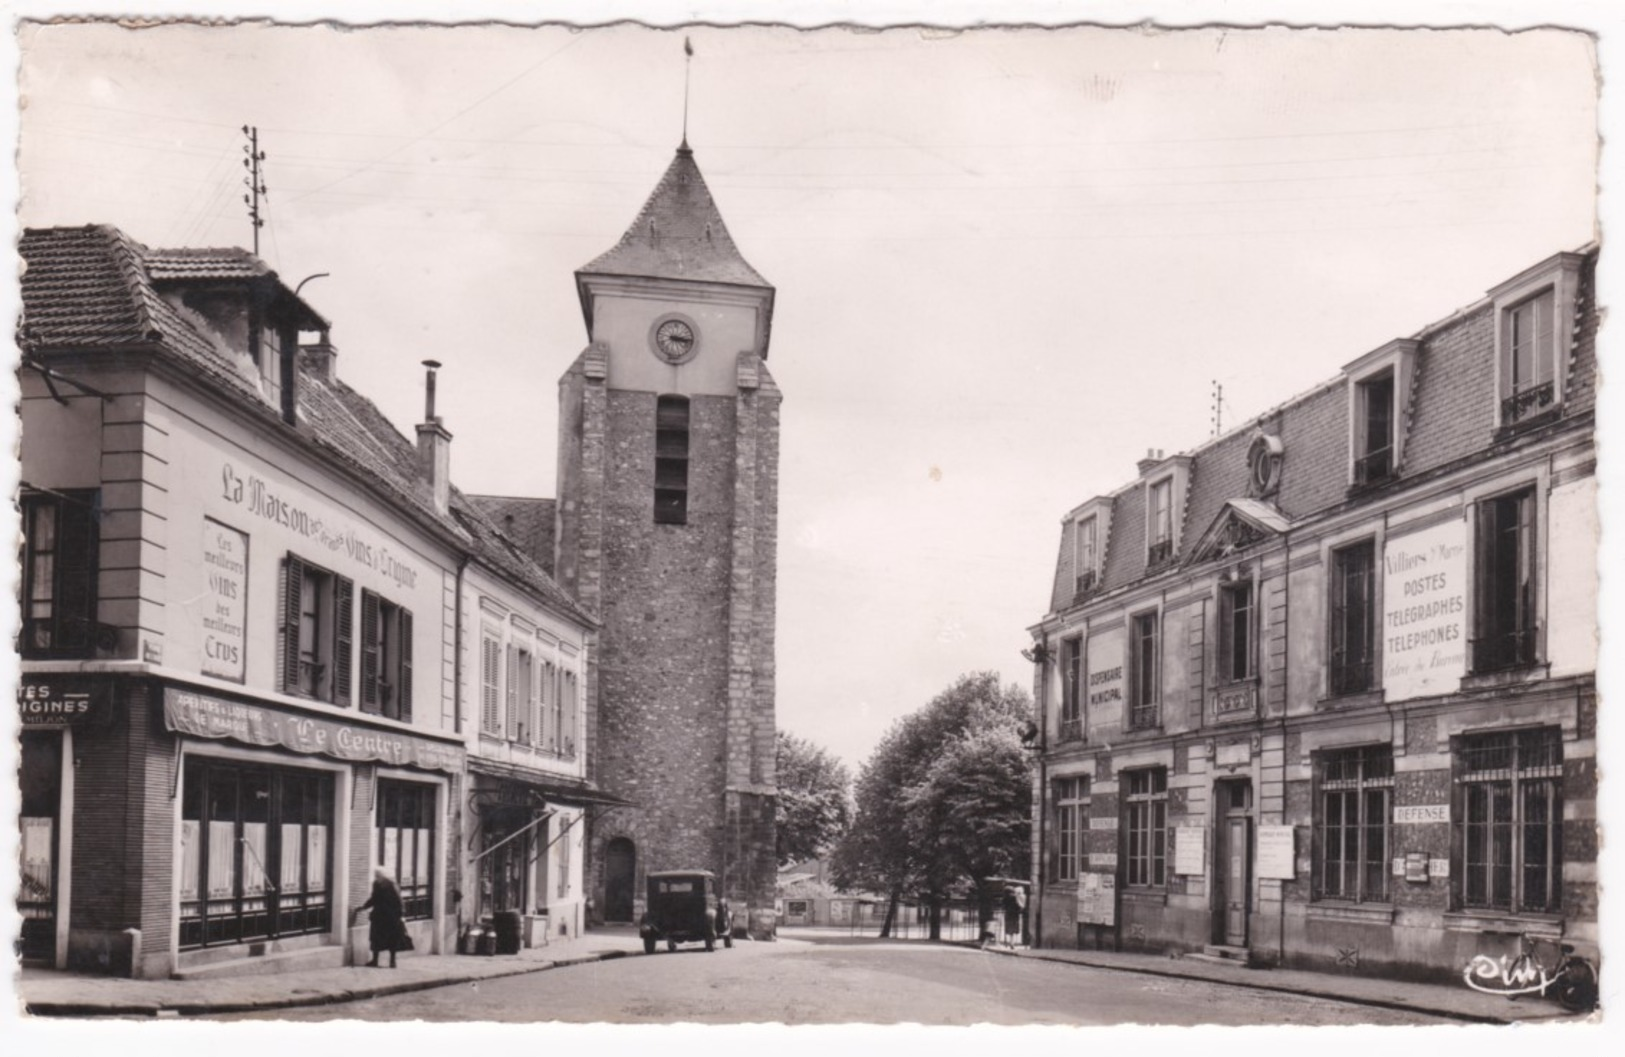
{"x": 1040, "y": 885}
{"x": 1286, "y": 704}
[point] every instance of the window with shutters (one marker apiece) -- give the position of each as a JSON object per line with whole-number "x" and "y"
{"x": 316, "y": 632}
{"x": 567, "y": 742}
{"x": 491, "y": 685}
{"x": 671, "y": 460}
{"x": 525, "y": 688}
{"x": 386, "y": 658}
{"x": 514, "y": 721}
{"x": 1506, "y": 631}
{"x": 60, "y": 544}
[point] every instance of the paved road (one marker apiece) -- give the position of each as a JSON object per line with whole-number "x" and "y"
{"x": 838, "y": 981}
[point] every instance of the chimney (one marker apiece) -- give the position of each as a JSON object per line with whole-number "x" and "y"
{"x": 434, "y": 447}
{"x": 319, "y": 358}
{"x": 1153, "y": 459}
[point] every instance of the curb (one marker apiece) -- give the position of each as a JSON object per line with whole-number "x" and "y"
{"x": 184, "y": 1008}
{"x": 1334, "y": 996}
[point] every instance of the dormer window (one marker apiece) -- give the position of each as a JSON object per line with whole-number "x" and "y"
{"x": 1534, "y": 313}
{"x": 1160, "y": 522}
{"x": 1088, "y": 560}
{"x": 1379, "y": 394}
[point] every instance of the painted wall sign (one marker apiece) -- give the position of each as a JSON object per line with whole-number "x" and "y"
{"x": 1418, "y": 813}
{"x": 1424, "y": 619}
{"x": 1105, "y": 860}
{"x": 1416, "y": 867}
{"x": 225, "y": 606}
{"x": 1106, "y": 686}
{"x": 261, "y": 500}
{"x": 62, "y": 701}
{"x": 1190, "y": 844}
{"x": 1234, "y": 754}
{"x": 1103, "y": 822}
{"x": 205, "y": 716}
{"x": 1276, "y": 858}
{"x": 1097, "y": 899}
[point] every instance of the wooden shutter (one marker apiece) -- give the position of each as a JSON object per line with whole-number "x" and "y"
{"x": 343, "y": 622}
{"x": 570, "y": 713}
{"x": 76, "y": 571}
{"x": 490, "y": 720}
{"x": 513, "y": 707}
{"x": 369, "y": 653}
{"x": 293, "y": 583}
{"x": 403, "y": 692}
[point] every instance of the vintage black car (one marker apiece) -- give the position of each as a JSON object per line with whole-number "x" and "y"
{"x": 684, "y": 907}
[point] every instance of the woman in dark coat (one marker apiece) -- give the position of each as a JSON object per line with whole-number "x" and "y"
{"x": 387, "y": 931}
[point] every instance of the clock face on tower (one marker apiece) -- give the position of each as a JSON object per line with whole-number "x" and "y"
{"x": 675, "y": 338}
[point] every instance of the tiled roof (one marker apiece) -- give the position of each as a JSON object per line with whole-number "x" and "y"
{"x": 679, "y": 234}
{"x": 526, "y": 521}
{"x": 1453, "y": 417}
{"x": 91, "y": 288}
{"x": 505, "y": 555}
{"x": 223, "y": 263}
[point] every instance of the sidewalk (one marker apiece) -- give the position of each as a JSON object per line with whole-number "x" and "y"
{"x": 45, "y": 992}
{"x": 1459, "y": 1002}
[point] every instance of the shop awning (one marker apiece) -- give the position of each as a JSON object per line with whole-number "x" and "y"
{"x": 551, "y": 788}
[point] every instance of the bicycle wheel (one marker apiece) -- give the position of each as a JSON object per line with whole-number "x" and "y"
{"x": 1577, "y": 987}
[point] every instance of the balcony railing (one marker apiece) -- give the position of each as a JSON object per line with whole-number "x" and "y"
{"x": 1350, "y": 676}
{"x": 66, "y": 637}
{"x": 1374, "y": 466}
{"x": 1145, "y": 716}
{"x": 1160, "y": 552}
{"x": 1509, "y": 649}
{"x": 1523, "y": 403}
{"x": 1071, "y": 729}
{"x": 1084, "y": 583}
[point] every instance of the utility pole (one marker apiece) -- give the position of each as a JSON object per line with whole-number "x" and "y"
{"x": 254, "y": 181}
{"x": 1218, "y": 408}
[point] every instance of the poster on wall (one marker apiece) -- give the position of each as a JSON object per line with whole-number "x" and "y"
{"x": 1097, "y": 899}
{"x": 1424, "y": 611}
{"x": 1276, "y": 860}
{"x": 1189, "y": 846}
{"x": 224, "y": 604}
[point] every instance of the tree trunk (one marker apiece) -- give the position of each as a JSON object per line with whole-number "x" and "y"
{"x": 936, "y": 917}
{"x": 986, "y": 911}
{"x": 891, "y": 914}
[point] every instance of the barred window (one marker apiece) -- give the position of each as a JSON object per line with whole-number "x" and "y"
{"x": 1354, "y": 810}
{"x": 1509, "y": 812}
{"x": 1146, "y": 826}
{"x": 1071, "y": 800}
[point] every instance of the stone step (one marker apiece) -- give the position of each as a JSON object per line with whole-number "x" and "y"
{"x": 325, "y": 957}
{"x": 1219, "y": 954}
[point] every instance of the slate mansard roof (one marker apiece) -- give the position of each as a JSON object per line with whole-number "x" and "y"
{"x": 1451, "y": 418}
{"x": 94, "y": 290}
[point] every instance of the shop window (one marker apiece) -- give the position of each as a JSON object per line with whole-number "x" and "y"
{"x": 256, "y": 853}
{"x": 1374, "y": 440}
{"x": 1509, "y": 820}
{"x": 1071, "y": 689}
{"x": 59, "y": 567}
{"x": 490, "y": 686}
{"x": 1145, "y": 701}
{"x": 1506, "y": 626}
{"x": 671, "y": 460}
{"x": 316, "y": 632}
{"x": 40, "y": 783}
{"x": 386, "y": 658}
{"x": 1236, "y": 632}
{"x": 1352, "y": 667}
{"x": 1145, "y": 826}
{"x": 1353, "y": 814}
{"x": 1071, "y": 820}
{"x": 406, "y": 814}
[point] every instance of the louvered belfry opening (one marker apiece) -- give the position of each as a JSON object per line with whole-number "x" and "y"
{"x": 671, "y": 460}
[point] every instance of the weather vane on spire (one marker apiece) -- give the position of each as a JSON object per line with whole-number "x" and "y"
{"x": 688, "y": 62}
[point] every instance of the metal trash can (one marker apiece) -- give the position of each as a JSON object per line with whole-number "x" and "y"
{"x": 509, "y": 936}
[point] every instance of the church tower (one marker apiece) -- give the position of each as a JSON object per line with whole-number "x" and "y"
{"x": 667, "y": 529}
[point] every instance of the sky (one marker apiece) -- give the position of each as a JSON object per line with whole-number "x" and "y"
{"x": 1008, "y": 262}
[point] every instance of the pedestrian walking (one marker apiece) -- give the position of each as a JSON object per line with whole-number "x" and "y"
{"x": 387, "y": 931}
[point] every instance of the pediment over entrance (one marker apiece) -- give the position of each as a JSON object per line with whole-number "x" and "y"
{"x": 1240, "y": 524}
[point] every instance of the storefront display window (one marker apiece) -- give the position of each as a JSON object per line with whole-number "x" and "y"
{"x": 406, "y": 842}
{"x": 41, "y": 781}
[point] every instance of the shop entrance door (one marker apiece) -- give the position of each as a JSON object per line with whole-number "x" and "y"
{"x": 41, "y": 777}
{"x": 1233, "y": 865}
{"x": 620, "y": 875}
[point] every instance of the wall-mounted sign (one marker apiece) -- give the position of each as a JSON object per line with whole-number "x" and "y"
{"x": 1424, "y": 617}
{"x": 62, "y": 700}
{"x": 1416, "y": 867}
{"x": 1189, "y": 851}
{"x": 1276, "y": 858}
{"x": 1104, "y": 860}
{"x": 225, "y": 605}
{"x": 1417, "y": 813}
{"x": 1233, "y": 755}
{"x": 1097, "y": 899}
{"x": 1232, "y": 700}
{"x": 205, "y": 716}
{"x": 1106, "y": 686}
{"x": 1103, "y": 822}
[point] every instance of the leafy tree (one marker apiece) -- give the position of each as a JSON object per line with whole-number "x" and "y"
{"x": 814, "y": 803}
{"x": 945, "y": 799}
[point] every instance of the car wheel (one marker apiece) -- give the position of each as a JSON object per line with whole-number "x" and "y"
{"x": 671, "y": 946}
{"x": 648, "y": 945}
{"x": 728, "y": 941}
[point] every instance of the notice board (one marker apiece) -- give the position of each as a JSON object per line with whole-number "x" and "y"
{"x": 1097, "y": 899}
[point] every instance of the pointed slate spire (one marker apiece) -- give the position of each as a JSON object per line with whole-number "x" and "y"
{"x": 679, "y": 234}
